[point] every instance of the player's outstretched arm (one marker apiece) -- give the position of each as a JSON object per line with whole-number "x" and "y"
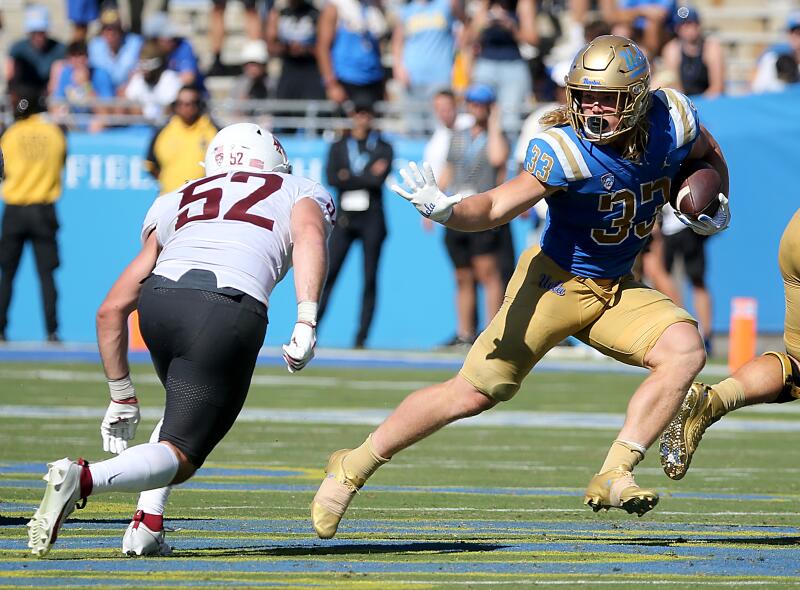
{"x": 122, "y": 416}
{"x": 477, "y": 212}
{"x": 310, "y": 259}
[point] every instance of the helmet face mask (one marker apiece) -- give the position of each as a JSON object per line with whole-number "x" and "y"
{"x": 609, "y": 64}
{"x": 245, "y": 146}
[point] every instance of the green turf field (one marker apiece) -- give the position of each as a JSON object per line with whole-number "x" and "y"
{"x": 488, "y": 504}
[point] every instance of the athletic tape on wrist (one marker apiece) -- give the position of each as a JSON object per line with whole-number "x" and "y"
{"x": 307, "y": 312}
{"x": 121, "y": 390}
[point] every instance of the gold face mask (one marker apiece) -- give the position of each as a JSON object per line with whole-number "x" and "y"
{"x": 613, "y": 64}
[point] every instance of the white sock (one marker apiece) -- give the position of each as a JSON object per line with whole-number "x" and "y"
{"x": 143, "y": 467}
{"x": 154, "y": 501}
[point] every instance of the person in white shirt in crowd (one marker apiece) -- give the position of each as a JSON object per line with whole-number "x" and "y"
{"x": 767, "y": 78}
{"x": 445, "y": 108}
{"x": 212, "y": 252}
{"x": 153, "y": 87}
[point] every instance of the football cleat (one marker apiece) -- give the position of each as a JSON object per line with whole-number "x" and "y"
{"x": 60, "y": 498}
{"x": 334, "y": 495}
{"x": 682, "y": 435}
{"x": 616, "y": 488}
{"x": 141, "y": 540}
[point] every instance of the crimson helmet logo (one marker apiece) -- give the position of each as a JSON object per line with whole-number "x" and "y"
{"x": 218, "y": 155}
{"x": 279, "y": 147}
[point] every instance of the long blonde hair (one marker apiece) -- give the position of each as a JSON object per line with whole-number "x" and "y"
{"x": 636, "y": 143}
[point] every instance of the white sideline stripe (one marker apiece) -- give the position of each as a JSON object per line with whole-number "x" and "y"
{"x": 260, "y": 380}
{"x": 295, "y": 381}
{"x": 374, "y": 416}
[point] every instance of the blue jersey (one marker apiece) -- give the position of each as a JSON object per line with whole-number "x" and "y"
{"x": 598, "y": 224}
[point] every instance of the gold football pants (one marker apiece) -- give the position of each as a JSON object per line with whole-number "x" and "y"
{"x": 544, "y": 304}
{"x": 789, "y": 263}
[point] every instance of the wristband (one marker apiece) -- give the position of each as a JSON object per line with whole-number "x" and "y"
{"x": 121, "y": 390}
{"x": 307, "y": 313}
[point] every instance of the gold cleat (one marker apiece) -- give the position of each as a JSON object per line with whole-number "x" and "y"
{"x": 681, "y": 437}
{"x": 334, "y": 495}
{"x": 616, "y": 488}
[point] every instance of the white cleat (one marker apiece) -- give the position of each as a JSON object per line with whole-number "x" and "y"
{"x": 140, "y": 540}
{"x": 62, "y": 493}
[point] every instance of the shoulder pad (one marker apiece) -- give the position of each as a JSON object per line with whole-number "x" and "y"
{"x": 555, "y": 158}
{"x": 684, "y": 122}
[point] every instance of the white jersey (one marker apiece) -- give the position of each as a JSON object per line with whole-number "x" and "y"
{"x": 235, "y": 224}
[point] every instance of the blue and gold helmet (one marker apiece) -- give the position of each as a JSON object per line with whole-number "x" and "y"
{"x": 609, "y": 63}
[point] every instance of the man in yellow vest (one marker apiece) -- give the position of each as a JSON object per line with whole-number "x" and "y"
{"x": 35, "y": 152}
{"x": 179, "y": 146}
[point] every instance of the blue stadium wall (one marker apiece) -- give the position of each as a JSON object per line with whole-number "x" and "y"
{"x": 107, "y": 194}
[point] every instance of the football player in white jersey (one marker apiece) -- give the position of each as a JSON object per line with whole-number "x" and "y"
{"x": 212, "y": 252}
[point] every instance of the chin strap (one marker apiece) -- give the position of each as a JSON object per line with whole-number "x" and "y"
{"x": 791, "y": 378}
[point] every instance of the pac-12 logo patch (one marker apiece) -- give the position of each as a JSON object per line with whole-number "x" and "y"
{"x": 607, "y": 181}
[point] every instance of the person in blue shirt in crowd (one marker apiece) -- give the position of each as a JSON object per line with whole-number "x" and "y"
{"x": 180, "y": 55}
{"x": 80, "y": 87}
{"x": 645, "y": 20}
{"x": 604, "y": 167}
{"x": 30, "y": 60}
{"x": 114, "y": 50}
{"x": 82, "y": 13}
{"x": 423, "y": 46}
{"x": 349, "y": 33}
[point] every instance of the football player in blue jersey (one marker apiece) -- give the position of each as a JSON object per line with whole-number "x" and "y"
{"x": 604, "y": 167}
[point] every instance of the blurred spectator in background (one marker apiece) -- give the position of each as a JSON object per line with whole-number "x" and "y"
{"x": 348, "y": 50}
{"x": 358, "y": 165}
{"x": 766, "y": 77}
{"x": 31, "y": 59}
{"x": 35, "y": 151}
{"x": 690, "y": 249}
{"x": 423, "y": 46}
{"x": 498, "y": 27}
{"x": 476, "y": 162}
{"x": 216, "y": 32}
{"x": 179, "y": 146}
{"x": 176, "y": 47}
{"x": 786, "y": 68}
{"x": 695, "y": 63}
{"x": 152, "y": 87}
{"x": 445, "y": 109}
{"x": 252, "y": 84}
{"x": 80, "y": 86}
{"x": 531, "y": 127}
{"x": 644, "y": 21}
{"x": 115, "y": 51}
{"x": 81, "y": 14}
{"x": 292, "y": 37}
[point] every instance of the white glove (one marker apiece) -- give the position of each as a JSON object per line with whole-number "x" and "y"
{"x": 425, "y": 194}
{"x": 300, "y": 350}
{"x": 119, "y": 425}
{"x": 705, "y": 225}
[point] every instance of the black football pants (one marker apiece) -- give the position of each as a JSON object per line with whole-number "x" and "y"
{"x": 38, "y": 225}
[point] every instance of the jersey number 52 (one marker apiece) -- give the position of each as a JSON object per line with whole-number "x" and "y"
{"x": 239, "y": 210}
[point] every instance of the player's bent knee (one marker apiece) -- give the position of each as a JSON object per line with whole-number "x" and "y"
{"x": 791, "y": 377}
{"x": 680, "y": 345}
{"x": 467, "y": 399}
{"x": 186, "y": 468}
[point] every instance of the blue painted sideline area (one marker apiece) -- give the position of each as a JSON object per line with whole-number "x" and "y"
{"x": 581, "y": 359}
{"x": 571, "y": 359}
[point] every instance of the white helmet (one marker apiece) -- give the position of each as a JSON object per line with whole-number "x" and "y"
{"x": 245, "y": 146}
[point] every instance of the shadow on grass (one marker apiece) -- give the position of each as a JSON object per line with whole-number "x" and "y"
{"x": 355, "y": 548}
{"x": 791, "y": 540}
{"x": 13, "y": 520}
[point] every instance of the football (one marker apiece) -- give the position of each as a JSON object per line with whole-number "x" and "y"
{"x": 696, "y": 188}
